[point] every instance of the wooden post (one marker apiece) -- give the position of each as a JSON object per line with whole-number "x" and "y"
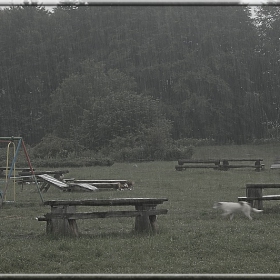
{"x": 1, "y": 199}
{"x": 145, "y": 223}
{"x": 255, "y": 192}
{"x": 153, "y": 219}
{"x": 225, "y": 165}
{"x": 62, "y": 227}
{"x": 258, "y": 165}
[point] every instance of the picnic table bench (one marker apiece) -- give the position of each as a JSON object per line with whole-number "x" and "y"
{"x": 254, "y": 194}
{"x": 104, "y": 183}
{"x": 219, "y": 164}
{"x": 3, "y": 169}
{"x": 197, "y": 163}
{"x": 26, "y": 176}
{"x": 83, "y": 185}
{"x": 62, "y": 218}
{"x": 257, "y": 164}
{"x": 56, "y": 173}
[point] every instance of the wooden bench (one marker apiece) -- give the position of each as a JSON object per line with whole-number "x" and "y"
{"x": 226, "y": 165}
{"x": 219, "y": 164}
{"x": 27, "y": 177}
{"x": 276, "y": 164}
{"x": 49, "y": 180}
{"x": 55, "y": 173}
{"x": 104, "y": 183}
{"x": 62, "y": 218}
{"x": 254, "y": 194}
{"x": 197, "y": 163}
{"x": 83, "y": 185}
{"x": 4, "y": 169}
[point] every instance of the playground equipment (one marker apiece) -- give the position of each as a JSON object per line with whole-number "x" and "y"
{"x": 7, "y": 169}
{"x": 11, "y": 170}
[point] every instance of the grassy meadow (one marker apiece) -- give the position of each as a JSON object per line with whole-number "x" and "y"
{"x": 193, "y": 237}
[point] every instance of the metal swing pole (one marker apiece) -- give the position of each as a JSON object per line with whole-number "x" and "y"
{"x": 11, "y": 139}
{"x": 12, "y": 168}
{"x": 31, "y": 169}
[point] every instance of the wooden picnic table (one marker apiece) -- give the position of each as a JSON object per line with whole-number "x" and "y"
{"x": 254, "y": 194}
{"x": 62, "y": 218}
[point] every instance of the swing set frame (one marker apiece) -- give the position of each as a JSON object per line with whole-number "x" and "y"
{"x": 11, "y": 169}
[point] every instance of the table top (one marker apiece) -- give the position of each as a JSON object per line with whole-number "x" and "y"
{"x": 107, "y": 202}
{"x": 263, "y": 185}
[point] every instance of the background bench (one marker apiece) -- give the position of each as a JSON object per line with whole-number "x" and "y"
{"x": 219, "y": 164}
{"x": 254, "y": 194}
{"x": 62, "y": 218}
{"x": 82, "y": 185}
{"x": 225, "y": 164}
{"x": 3, "y": 170}
{"x": 197, "y": 163}
{"x": 25, "y": 176}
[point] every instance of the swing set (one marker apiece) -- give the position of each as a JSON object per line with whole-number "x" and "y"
{"x": 11, "y": 169}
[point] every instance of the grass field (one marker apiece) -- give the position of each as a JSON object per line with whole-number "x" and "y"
{"x": 193, "y": 237}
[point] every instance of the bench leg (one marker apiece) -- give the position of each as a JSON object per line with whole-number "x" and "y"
{"x": 225, "y": 165}
{"x": 63, "y": 227}
{"x": 258, "y": 166}
{"x": 73, "y": 228}
{"x": 255, "y": 192}
{"x": 145, "y": 223}
{"x": 153, "y": 222}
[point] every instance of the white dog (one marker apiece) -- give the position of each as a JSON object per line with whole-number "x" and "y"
{"x": 230, "y": 208}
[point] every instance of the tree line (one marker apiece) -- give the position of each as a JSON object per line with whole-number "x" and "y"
{"x": 139, "y": 78}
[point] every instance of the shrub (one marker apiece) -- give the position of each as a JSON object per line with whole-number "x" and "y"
{"x": 174, "y": 153}
{"x": 195, "y": 142}
{"x": 70, "y": 162}
{"x": 141, "y": 153}
{"x": 52, "y": 146}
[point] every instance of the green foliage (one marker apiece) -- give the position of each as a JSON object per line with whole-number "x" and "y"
{"x": 55, "y": 147}
{"x": 75, "y": 72}
{"x": 72, "y": 162}
{"x": 195, "y": 142}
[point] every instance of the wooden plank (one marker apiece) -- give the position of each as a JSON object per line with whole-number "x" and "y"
{"x": 195, "y": 166}
{"x": 108, "y": 202}
{"x": 17, "y": 168}
{"x": 275, "y": 166}
{"x": 269, "y": 197}
{"x": 84, "y": 186}
{"x": 102, "y": 185}
{"x": 242, "y": 159}
{"x": 108, "y": 214}
{"x": 53, "y": 181}
{"x": 263, "y": 185}
{"x": 243, "y": 198}
{"x": 264, "y": 197}
{"x": 43, "y": 172}
{"x": 100, "y": 181}
{"x": 241, "y": 166}
{"x": 182, "y": 161}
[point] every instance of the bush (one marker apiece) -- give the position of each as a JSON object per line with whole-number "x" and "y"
{"x": 195, "y": 142}
{"x": 70, "y": 162}
{"x": 131, "y": 154}
{"x": 52, "y": 146}
{"x": 142, "y": 154}
{"x": 174, "y": 153}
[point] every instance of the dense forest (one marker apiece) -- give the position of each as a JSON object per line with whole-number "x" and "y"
{"x": 141, "y": 78}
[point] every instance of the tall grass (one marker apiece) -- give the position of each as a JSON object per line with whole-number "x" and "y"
{"x": 193, "y": 237}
